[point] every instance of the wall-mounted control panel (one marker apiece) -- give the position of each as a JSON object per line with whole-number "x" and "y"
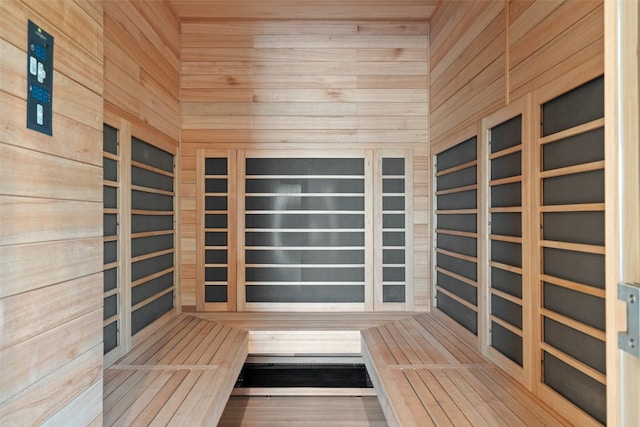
{"x": 39, "y": 79}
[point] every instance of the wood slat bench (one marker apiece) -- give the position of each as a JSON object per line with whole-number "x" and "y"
{"x": 423, "y": 373}
{"x": 182, "y": 375}
{"x": 425, "y": 376}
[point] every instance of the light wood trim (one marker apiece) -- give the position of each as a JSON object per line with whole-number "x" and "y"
{"x": 507, "y": 180}
{"x": 559, "y": 86}
{"x": 577, "y": 130}
{"x": 457, "y": 190}
{"x": 457, "y": 255}
{"x": 410, "y": 282}
{"x": 576, "y": 247}
{"x": 152, "y": 255}
{"x": 378, "y": 247}
{"x": 507, "y": 267}
{"x": 568, "y": 284}
{"x": 501, "y": 238}
{"x": 152, "y": 213}
{"x": 457, "y": 167}
{"x": 457, "y": 211}
{"x": 201, "y": 155}
{"x": 457, "y": 298}
{"x": 456, "y": 276}
{"x": 152, "y": 298}
{"x": 153, "y": 276}
{"x": 506, "y": 296}
{"x": 483, "y": 247}
{"x": 241, "y": 281}
{"x": 126, "y": 235}
{"x": 587, "y": 207}
{"x": 566, "y": 408}
{"x": 110, "y": 320}
{"x": 150, "y": 168}
{"x": 111, "y": 156}
{"x": 368, "y": 156}
{"x": 521, "y": 107}
{"x": 304, "y": 307}
{"x": 570, "y": 170}
{"x": 622, "y": 197}
{"x": 511, "y": 150}
{"x": 152, "y": 190}
{"x": 151, "y": 233}
{"x": 200, "y": 231}
{"x": 578, "y": 326}
{"x": 574, "y": 363}
{"x": 508, "y": 209}
{"x": 506, "y": 325}
{"x": 456, "y": 233}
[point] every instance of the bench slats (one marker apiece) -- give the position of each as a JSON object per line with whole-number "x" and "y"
{"x": 423, "y": 373}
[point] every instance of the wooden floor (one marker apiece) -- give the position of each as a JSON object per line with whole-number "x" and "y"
{"x": 423, "y": 374}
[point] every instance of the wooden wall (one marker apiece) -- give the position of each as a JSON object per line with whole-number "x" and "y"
{"x": 142, "y": 66}
{"x": 286, "y": 84}
{"x": 486, "y": 54}
{"x": 51, "y": 222}
{"x": 141, "y": 100}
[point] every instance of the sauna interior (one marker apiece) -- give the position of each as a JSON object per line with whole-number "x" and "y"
{"x": 432, "y": 188}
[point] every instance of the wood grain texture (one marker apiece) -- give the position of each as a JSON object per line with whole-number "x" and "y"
{"x": 320, "y": 10}
{"x": 622, "y": 198}
{"x": 50, "y": 237}
{"x": 142, "y": 68}
{"x": 423, "y": 373}
{"x": 182, "y": 374}
{"x": 488, "y": 55}
{"x": 297, "y": 84}
{"x": 537, "y": 42}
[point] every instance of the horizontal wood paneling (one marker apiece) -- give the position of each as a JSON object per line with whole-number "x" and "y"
{"x": 74, "y": 39}
{"x": 322, "y": 10}
{"x": 567, "y": 38}
{"x": 45, "y": 398}
{"x": 34, "y": 359}
{"x": 467, "y": 65}
{"x": 22, "y": 313}
{"x": 50, "y": 239}
{"x": 484, "y": 54}
{"x": 142, "y": 67}
{"x": 297, "y": 85}
{"x": 31, "y": 220}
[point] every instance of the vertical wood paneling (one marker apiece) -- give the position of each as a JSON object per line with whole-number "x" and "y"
{"x": 50, "y": 238}
{"x": 301, "y": 84}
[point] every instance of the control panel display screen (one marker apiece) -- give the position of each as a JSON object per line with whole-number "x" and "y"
{"x": 39, "y": 79}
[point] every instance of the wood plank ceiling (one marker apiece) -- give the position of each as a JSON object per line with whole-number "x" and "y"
{"x": 304, "y": 9}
